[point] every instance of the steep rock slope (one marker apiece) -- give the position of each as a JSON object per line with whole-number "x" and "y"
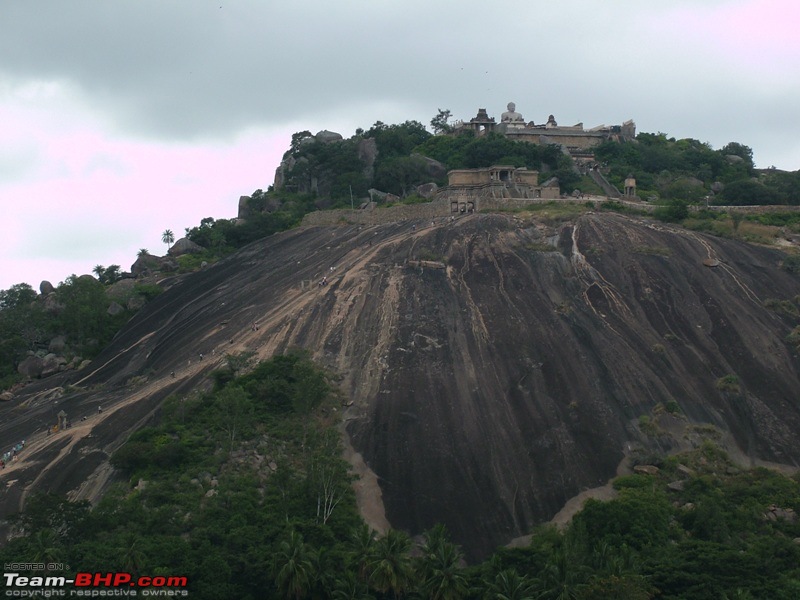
{"x": 497, "y": 366}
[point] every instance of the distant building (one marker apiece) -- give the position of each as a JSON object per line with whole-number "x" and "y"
{"x": 577, "y": 140}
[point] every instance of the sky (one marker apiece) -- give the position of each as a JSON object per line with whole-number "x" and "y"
{"x": 119, "y": 120}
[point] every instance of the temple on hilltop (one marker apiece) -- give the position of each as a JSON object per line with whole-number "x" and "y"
{"x": 577, "y": 140}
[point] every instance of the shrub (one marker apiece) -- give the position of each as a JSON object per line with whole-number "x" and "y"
{"x": 729, "y": 383}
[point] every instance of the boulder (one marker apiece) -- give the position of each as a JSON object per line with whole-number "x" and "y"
{"x": 427, "y": 190}
{"x": 31, "y": 367}
{"x": 734, "y": 159}
{"x": 326, "y": 137}
{"x": 114, "y": 309}
{"x": 244, "y": 211}
{"x": 6, "y": 396}
{"x": 185, "y": 246}
{"x": 57, "y": 344}
{"x": 717, "y": 187}
{"x": 646, "y": 469}
{"x": 52, "y": 305}
{"x": 46, "y": 288}
{"x": 52, "y": 364}
{"x": 147, "y": 263}
{"x": 367, "y": 152}
{"x": 434, "y": 168}
{"x": 121, "y": 290}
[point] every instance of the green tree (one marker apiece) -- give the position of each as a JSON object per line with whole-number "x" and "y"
{"x": 293, "y": 567}
{"x": 390, "y": 568}
{"x": 508, "y": 585}
{"x": 440, "y": 123}
{"x": 168, "y": 238}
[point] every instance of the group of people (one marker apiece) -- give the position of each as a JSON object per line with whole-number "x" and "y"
{"x": 11, "y": 455}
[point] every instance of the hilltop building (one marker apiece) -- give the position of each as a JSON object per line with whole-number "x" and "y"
{"x": 577, "y": 140}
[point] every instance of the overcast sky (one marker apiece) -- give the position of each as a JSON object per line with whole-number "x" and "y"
{"x": 121, "y": 119}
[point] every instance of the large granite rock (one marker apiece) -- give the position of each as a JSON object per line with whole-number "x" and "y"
{"x": 427, "y": 190}
{"x": 147, "y": 263}
{"x": 368, "y": 152}
{"x": 52, "y": 364}
{"x": 326, "y": 137}
{"x": 121, "y": 290}
{"x": 46, "y": 288}
{"x": 114, "y": 309}
{"x": 57, "y": 344}
{"x": 434, "y": 168}
{"x": 185, "y": 246}
{"x": 52, "y": 305}
{"x": 244, "y": 211}
{"x": 31, "y": 367}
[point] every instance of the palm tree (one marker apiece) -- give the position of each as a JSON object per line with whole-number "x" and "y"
{"x": 143, "y": 252}
{"x": 391, "y": 564}
{"x": 168, "y": 237}
{"x": 362, "y": 544}
{"x": 99, "y": 270}
{"x": 293, "y": 567}
{"x": 508, "y": 585}
{"x": 444, "y": 578}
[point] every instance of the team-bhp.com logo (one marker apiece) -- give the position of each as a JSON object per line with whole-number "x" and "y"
{"x": 93, "y": 585}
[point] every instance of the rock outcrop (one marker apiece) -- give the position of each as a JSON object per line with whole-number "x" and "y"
{"x": 184, "y": 246}
{"x": 494, "y": 366}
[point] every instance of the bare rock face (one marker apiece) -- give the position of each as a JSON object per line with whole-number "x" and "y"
{"x": 114, "y": 309}
{"x": 494, "y": 366}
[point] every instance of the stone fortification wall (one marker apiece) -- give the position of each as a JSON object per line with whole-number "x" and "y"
{"x": 582, "y": 139}
{"x": 439, "y": 208}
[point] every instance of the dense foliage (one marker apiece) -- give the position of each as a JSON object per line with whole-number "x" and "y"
{"x": 242, "y": 491}
{"x": 691, "y": 170}
{"x": 77, "y": 310}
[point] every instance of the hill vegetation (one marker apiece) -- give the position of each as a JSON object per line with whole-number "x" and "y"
{"x": 241, "y": 488}
{"x": 242, "y": 491}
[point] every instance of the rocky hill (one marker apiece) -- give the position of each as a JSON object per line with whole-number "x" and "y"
{"x": 494, "y": 366}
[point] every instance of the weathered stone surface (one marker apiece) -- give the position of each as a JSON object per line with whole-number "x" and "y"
{"x": 6, "y": 396}
{"x": 184, "y": 246}
{"x": 46, "y": 288}
{"x": 717, "y": 187}
{"x": 51, "y": 364}
{"x": 147, "y": 263}
{"x": 368, "y": 151}
{"x": 114, "y": 309}
{"x": 57, "y": 344}
{"x": 434, "y": 168}
{"x": 326, "y": 137}
{"x": 473, "y": 386}
{"x": 244, "y": 211}
{"x": 121, "y": 290}
{"x": 734, "y": 159}
{"x": 31, "y": 367}
{"x": 646, "y": 469}
{"x": 52, "y": 305}
{"x": 427, "y": 190}
{"x": 676, "y": 486}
